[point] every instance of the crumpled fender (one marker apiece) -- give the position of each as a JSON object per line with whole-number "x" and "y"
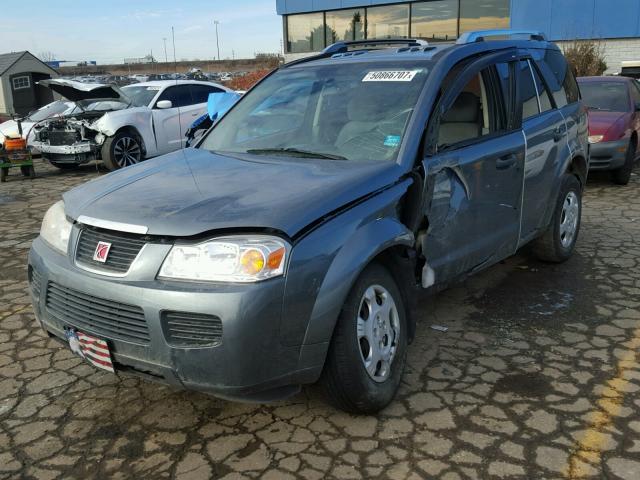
{"x": 139, "y": 118}
{"x": 325, "y": 264}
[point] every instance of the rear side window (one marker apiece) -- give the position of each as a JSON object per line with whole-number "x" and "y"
{"x": 201, "y": 93}
{"x": 556, "y": 70}
{"x": 527, "y": 91}
{"x": 543, "y": 94}
{"x": 571, "y": 87}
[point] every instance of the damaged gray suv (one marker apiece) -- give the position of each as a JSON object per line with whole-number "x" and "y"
{"x": 289, "y": 246}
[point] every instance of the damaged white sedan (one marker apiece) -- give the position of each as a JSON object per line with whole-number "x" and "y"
{"x": 121, "y": 126}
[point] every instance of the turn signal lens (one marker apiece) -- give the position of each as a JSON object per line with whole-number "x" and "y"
{"x": 595, "y": 138}
{"x": 252, "y": 262}
{"x": 275, "y": 259}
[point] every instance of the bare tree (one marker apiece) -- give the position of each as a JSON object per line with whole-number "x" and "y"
{"x": 586, "y": 57}
{"x": 47, "y": 56}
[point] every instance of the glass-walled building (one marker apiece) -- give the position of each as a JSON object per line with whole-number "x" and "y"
{"x": 311, "y": 25}
{"x": 434, "y": 20}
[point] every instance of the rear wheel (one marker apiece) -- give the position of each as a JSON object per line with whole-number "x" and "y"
{"x": 367, "y": 353}
{"x": 559, "y": 240}
{"x": 622, "y": 175}
{"x": 121, "y": 150}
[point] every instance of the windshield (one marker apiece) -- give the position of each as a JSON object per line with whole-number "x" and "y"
{"x": 140, "y": 96}
{"x": 609, "y": 96}
{"x": 53, "y": 109}
{"x": 355, "y": 112}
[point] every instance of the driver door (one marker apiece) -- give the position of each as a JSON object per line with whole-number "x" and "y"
{"x": 171, "y": 123}
{"x": 474, "y": 171}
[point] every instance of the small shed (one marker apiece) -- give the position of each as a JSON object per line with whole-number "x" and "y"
{"x": 19, "y": 91}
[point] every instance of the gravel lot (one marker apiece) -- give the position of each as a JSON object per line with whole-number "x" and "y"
{"x": 536, "y": 377}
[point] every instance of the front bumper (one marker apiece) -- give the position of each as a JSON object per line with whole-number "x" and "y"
{"x": 608, "y": 155}
{"x": 77, "y": 153}
{"x": 249, "y": 363}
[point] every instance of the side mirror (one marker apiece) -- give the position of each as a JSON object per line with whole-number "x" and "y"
{"x": 164, "y": 104}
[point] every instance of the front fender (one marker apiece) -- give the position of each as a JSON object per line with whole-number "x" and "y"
{"x": 326, "y": 262}
{"x": 139, "y": 118}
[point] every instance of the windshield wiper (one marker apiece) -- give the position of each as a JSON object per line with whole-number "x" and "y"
{"x": 295, "y": 152}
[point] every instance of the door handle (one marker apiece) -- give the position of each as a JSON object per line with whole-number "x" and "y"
{"x": 507, "y": 161}
{"x": 558, "y": 134}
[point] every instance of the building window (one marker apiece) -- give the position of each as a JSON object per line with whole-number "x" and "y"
{"x": 391, "y": 21}
{"x": 21, "y": 82}
{"x": 345, "y": 25}
{"x": 305, "y": 33}
{"x": 435, "y": 20}
{"x": 485, "y": 15}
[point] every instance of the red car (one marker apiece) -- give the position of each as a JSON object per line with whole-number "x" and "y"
{"x": 614, "y": 124}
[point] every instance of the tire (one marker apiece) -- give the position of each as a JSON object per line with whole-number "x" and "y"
{"x": 622, "y": 175}
{"x": 3, "y": 174}
{"x": 345, "y": 381}
{"x": 65, "y": 166}
{"x": 122, "y": 150}
{"x": 559, "y": 240}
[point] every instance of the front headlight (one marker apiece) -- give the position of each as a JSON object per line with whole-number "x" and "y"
{"x": 56, "y": 229}
{"x": 595, "y": 138}
{"x": 245, "y": 259}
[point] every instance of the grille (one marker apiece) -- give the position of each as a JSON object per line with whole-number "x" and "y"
{"x": 63, "y": 137}
{"x": 98, "y": 316}
{"x": 183, "y": 329}
{"x": 36, "y": 280}
{"x": 124, "y": 249}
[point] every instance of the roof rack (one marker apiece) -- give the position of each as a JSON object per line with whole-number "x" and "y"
{"x": 480, "y": 35}
{"x": 342, "y": 47}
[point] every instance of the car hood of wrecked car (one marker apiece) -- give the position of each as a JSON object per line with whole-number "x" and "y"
{"x": 193, "y": 191}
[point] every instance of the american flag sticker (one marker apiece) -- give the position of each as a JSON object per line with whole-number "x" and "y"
{"x": 92, "y": 349}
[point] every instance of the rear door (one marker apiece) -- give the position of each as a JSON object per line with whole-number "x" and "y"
{"x": 546, "y": 139}
{"x": 476, "y": 171}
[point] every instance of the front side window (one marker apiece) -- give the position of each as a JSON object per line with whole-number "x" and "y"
{"x": 435, "y": 20}
{"x": 345, "y": 25}
{"x": 484, "y": 15}
{"x": 305, "y": 33}
{"x": 355, "y": 112}
{"x": 21, "y": 82}
{"x": 391, "y": 21}
{"x": 479, "y": 110}
{"x": 180, "y": 96}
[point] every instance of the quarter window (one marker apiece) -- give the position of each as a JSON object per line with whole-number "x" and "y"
{"x": 21, "y": 82}
{"x": 571, "y": 87}
{"x": 557, "y": 70}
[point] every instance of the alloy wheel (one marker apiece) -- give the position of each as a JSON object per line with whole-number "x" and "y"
{"x": 569, "y": 219}
{"x": 378, "y": 329}
{"x": 126, "y": 151}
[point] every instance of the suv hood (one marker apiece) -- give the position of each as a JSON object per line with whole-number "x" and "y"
{"x": 193, "y": 191}
{"x": 77, "y": 91}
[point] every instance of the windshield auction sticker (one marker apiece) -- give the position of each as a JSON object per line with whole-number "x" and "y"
{"x": 390, "y": 76}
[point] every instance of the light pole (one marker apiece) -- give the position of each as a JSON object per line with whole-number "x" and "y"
{"x": 165, "y": 50}
{"x": 216, "y": 23}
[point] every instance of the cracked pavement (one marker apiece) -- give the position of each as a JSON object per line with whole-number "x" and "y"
{"x": 537, "y": 376}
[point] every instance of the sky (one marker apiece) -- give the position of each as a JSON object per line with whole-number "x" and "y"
{"x": 110, "y": 30}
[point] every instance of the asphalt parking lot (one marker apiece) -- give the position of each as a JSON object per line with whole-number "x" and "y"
{"x": 537, "y": 376}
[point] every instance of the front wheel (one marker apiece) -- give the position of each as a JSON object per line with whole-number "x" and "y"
{"x": 622, "y": 175}
{"x": 368, "y": 350}
{"x": 559, "y": 240}
{"x": 121, "y": 150}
